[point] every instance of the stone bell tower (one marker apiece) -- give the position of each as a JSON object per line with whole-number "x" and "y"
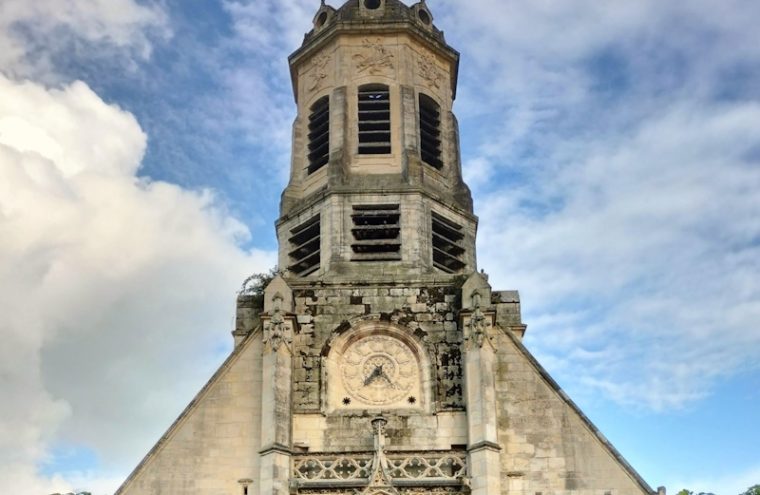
{"x": 376, "y": 188}
{"x": 379, "y": 360}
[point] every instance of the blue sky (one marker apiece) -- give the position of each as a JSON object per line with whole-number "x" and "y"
{"x": 613, "y": 150}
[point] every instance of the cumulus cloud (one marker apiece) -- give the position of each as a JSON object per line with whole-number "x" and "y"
{"x": 98, "y": 267}
{"x": 620, "y": 197}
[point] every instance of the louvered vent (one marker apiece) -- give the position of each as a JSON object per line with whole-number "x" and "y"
{"x": 374, "y": 120}
{"x": 447, "y": 244}
{"x": 319, "y": 134}
{"x": 304, "y": 243}
{"x": 377, "y": 233}
{"x": 430, "y": 132}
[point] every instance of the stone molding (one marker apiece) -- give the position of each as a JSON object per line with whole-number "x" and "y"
{"x": 485, "y": 445}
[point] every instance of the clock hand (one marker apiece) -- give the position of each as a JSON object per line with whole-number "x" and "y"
{"x": 384, "y": 375}
{"x": 377, "y": 372}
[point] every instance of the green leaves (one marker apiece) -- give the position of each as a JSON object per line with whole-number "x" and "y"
{"x": 753, "y": 490}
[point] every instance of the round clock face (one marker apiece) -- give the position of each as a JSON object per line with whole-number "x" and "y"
{"x": 379, "y": 370}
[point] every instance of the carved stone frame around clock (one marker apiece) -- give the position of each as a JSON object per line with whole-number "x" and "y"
{"x": 341, "y": 340}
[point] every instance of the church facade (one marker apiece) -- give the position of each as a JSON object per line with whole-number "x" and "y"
{"x": 380, "y": 360}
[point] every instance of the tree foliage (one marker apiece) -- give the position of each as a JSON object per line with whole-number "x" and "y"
{"x": 255, "y": 285}
{"x": 753, "y": 490}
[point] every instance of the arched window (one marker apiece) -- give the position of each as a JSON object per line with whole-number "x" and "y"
{"x": 430, "y": 132}
{"x": 374, "y": 120}
{"x": 319, "y": 134}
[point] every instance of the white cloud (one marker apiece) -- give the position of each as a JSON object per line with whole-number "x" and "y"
{"x": 657, "y": 237}
{"x": 31, "y": 33}
{"x": 258, "y": 91}
{"x": 104, "y": 280}
{"x": 621, "y": 195}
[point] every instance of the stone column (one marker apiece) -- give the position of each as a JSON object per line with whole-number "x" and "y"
{"x": 338, "y": 168}
{"x": 410, "y": 167}
{"x": 276, "y": 424}
{"x": 480, "y": 394}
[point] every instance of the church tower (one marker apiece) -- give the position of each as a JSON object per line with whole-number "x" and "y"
{"x": 379, "y": 361}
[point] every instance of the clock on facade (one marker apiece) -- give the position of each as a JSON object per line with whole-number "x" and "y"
{"x": 380, "y": 370}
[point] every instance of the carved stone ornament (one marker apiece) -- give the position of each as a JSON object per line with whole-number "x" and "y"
{"x": 379, "y": 370}
{"x": 375, "y": 58}
{"x": 380, "y": 480}
{"x": 477, "y": 327}
{"x": 277, "y": 331}
{"x": 318, "y": 71}
{"x": 429, "y": 71}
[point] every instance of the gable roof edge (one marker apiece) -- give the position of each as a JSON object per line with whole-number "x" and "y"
{"x": 215, "y": 378}
{"x": 616, "y": 455}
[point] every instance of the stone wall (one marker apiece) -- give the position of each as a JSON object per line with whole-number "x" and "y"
{"x": 216, "y": 441}
{"x": 429, "y": 313}
{"x": 549, "y": 447}
{"x": 544, "y": 443}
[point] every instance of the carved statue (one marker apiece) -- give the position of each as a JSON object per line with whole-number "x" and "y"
{"x": 478, "y": 322}
{"x": 277, "y": 330}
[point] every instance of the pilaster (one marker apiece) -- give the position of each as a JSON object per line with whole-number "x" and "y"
{"x": 276, "y": 421}
{"x": 477, "y": 321}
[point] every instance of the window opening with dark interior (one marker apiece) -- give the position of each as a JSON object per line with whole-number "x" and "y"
{"x": 319, "y": 134}
{"x": 447, "y": 244}
{"x": 424, "y": 16}
{"x": 377, "y": 233}
{"x": 321, "y": 19}
{"x": 374, "y": 120}
{"x": 430, "y": 132}
{"x": 304, "y": 247}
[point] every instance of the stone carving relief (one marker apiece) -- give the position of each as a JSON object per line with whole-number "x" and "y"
{"x": 429, "y": 71}
{"x": 375, "y": 58}
{"x": 429, "y": 466}
{"x": 277, "y": 330}
{"x": 318, "y": 72}
{"x": 449, "y": 364}
{"x": 379, "y": 370}
{"x": 381, "y": 470}
{"x": 380, "y": 479}
{"x": 477, "y": 327}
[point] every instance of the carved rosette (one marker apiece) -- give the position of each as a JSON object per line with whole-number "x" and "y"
{"x": 374, "y": 58}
